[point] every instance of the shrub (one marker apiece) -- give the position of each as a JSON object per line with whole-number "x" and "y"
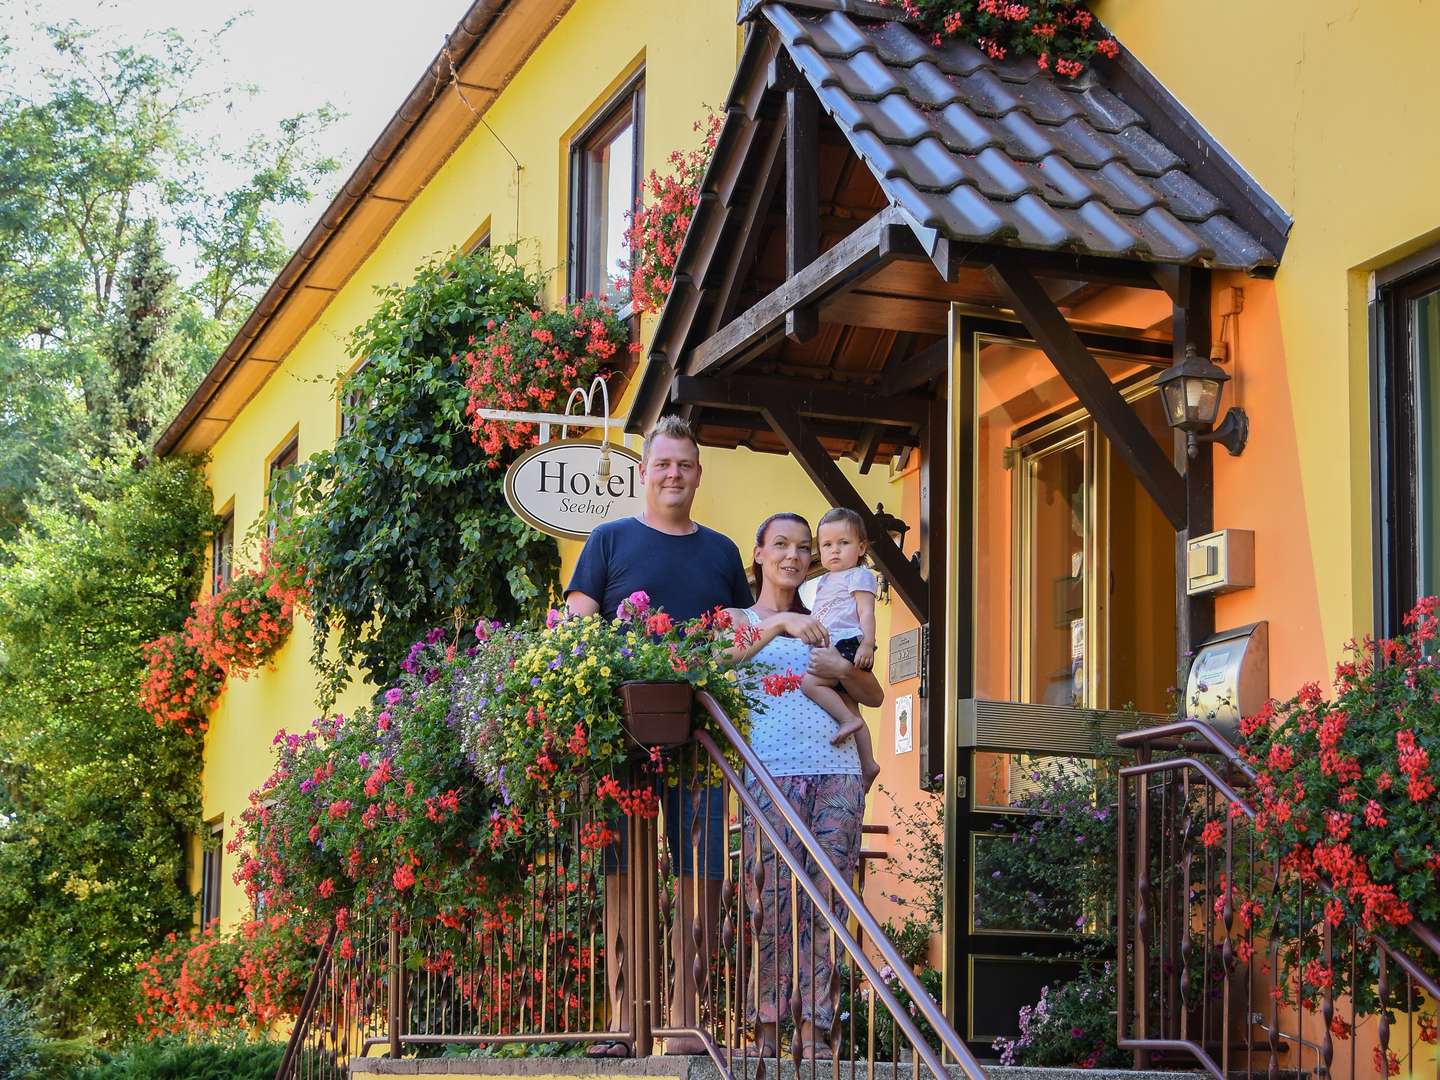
{"x": 19, "y": 1047}
{"x": 448, "y": 550}
{"x": 1073, "y": 1024}
{"x": 174, "y": 1058}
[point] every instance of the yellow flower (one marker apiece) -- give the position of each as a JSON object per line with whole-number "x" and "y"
{"x": 605, "y": 672}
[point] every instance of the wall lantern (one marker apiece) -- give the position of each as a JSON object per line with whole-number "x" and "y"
{"x": 896, "y": 528}
{"x": 1191, "y": 390}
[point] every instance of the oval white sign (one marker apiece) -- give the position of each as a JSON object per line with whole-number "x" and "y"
{"x": 555, "y": 488}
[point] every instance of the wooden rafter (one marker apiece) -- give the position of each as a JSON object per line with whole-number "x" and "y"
{"x": 880, "y": 240}
{"x": 824, "y": 401}
{"x": 802, "y": 199}
{"x": 905, "y": 579}
{"x": 1087, "y": 379}
{"x": 915, "y": 371}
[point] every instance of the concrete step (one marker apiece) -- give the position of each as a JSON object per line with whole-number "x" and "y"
{"x": 701, "y": 1068}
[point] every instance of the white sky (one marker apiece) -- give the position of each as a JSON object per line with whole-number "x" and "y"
{"x": 362, "y": 56}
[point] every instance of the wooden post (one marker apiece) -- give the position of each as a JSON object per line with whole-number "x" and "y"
{"x": 1194, "y": 615}
{"x": 802, "y": 198}
{"x": 397, "y": 975}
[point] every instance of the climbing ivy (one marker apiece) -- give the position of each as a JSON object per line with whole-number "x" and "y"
{"x": 402, "y": 525}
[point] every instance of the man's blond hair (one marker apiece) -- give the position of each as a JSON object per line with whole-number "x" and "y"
{"x": 670, "y": 427}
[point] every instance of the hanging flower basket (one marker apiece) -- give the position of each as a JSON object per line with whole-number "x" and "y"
{"x": 658, "y": 713}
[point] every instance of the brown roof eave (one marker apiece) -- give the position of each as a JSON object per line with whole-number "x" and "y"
{"x": 461, "y": 42}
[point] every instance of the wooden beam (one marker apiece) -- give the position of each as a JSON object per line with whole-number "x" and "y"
{"x": 904, "y": 578}
{"x": 867, "y": 447}
{"x": 1128, "y": 437}
{"x": 1194, "y": 615}
{"x": 935, "y": 518}
{"x": 1053, "y": 264}
{"x": 881, "y": 239}
{"x": 823, "y": 400}
{"x": 746, "y": 237}
{"x": 916, "y": 371}
{"x": 802, "y": 200}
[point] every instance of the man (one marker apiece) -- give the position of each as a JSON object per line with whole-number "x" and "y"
{"x": 687, "y": 570}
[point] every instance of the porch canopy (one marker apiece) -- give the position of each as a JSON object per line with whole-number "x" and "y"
{"x": 864, "y": 179}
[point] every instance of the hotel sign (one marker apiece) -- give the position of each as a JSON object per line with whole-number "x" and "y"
{"x": 557, "y": 488}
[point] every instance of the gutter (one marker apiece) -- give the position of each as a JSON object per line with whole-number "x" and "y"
{"x": 462, "y": 41}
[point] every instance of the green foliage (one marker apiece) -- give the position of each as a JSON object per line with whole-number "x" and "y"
{"x": 1073, "y": 1024}
{"x": 180, "y": 1059}
{"x": 98, "y": 802}
{"x": 19, "y": 1047}
{"x": 99, "y": 341}
{"x": 1052, "y": 869}
{"x": 446, "y": 550}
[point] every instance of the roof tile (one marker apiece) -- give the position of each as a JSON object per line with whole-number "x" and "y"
{"x": 989, "y": 151}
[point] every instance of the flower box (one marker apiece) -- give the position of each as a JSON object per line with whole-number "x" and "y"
{"x": 658, "y": 713}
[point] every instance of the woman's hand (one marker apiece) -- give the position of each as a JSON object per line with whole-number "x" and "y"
{"x": 804, "y": 628}
{"x": 859, "y": 684}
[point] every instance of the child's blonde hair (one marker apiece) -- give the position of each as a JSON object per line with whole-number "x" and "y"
{"x": 848, "y": 516}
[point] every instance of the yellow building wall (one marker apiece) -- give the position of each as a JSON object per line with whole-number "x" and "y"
{"x": 689, "y": 63}
{"x": 1328, "y": 105}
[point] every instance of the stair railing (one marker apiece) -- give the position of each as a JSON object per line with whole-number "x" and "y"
{"x": 712, "y": 932}
{"x": 1195, "y": 969}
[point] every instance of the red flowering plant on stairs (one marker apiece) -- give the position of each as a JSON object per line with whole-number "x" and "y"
{"x": 1346, "y": 804}
{"x": 1060, "y": 35}
{"x": 550, "y": 734}
{"x": 658, "y": 225}
{"x": 224, "y": 981}
{"x": 377, "y": 812}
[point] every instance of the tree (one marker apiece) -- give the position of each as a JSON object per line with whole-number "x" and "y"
{"x": 97, "y": 168}
{"x": 447, "y": 549}
{"x": 98, "y": 803}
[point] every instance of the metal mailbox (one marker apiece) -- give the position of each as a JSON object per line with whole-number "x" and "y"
{"x": 1230, "y": 677}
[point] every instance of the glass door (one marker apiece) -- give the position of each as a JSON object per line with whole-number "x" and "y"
{"x": 1071, "y": 605}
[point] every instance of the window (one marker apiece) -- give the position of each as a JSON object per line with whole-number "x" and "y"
{"x": 210, "y": 874}
{"x": 288, "y": 455}
{"x": 222, "y": 551}
{"x": 1406, "y": 450}
{"x": 604, "y": 187}
{"x": 350, "y": 402}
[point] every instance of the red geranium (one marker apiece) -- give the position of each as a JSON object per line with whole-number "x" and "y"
{"x": 531, "y": 362}
{"x": 1062, "y": 34}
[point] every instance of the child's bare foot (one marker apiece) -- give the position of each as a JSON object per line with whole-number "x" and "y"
{"x": 847, "y": 728}
{"x": 869, "y": 773}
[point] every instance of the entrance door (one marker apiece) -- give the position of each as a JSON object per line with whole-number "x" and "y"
{"x": 1072, "y": 605}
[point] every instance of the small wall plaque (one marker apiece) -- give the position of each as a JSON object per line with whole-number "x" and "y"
{"x": 904, "y": 723}
{"x": 905, "y": 655}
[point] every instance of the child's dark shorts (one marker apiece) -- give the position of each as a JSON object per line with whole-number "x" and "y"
{"x": 847, "y": 647}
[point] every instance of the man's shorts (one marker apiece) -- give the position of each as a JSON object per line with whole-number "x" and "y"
{"x": 681, "y": 805}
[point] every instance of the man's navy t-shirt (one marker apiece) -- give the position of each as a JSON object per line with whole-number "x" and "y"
{"x": 685, "y": 575}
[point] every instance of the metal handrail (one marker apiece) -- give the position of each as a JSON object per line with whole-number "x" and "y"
{"x": 1197, "y": 737}
{"x": 954, "y": 1045}
{"x": 307, "y": 1008}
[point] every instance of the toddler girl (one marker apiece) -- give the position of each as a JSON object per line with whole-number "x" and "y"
{"x": 845, "y": 604}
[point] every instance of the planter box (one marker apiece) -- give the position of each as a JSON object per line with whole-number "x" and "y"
{"x": 658, "y": 713}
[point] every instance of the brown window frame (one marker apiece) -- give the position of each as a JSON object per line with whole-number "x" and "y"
{"x": 211, "y": 879}
{"x": 284, "y": 458}
{"x": 222, "y": 555}
{"x": 1395, "y": 524}
{"x": 625, "y": 106}
{"x": 349, "y": 402}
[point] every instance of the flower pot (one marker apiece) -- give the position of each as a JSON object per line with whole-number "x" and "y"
{"x": 658, "y": 713}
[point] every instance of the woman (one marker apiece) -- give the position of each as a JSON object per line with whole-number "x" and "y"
{"x": 791, "y": 736}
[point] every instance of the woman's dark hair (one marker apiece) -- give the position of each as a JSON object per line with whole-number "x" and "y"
{"x": 796, "y": 604}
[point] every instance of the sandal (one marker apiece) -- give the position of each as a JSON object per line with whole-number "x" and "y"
{"x": 818, "y": 1050}
{"x": 610, "y": 1048}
